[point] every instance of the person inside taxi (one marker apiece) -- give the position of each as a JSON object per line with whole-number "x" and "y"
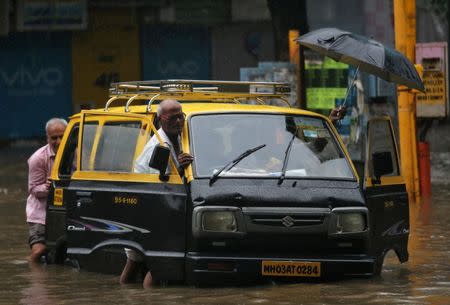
{"x": 171, "y": 119}
{"x": 319, "y": 144}
{"x": 39, "y": 168}
{"x": 316, "y": 144}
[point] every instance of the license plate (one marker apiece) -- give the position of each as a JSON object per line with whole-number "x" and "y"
{"x": 278, "y": 268}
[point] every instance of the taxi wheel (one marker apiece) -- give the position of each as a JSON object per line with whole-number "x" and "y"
{"x": 58, "y": 254}
{"x": 378, "y": 264}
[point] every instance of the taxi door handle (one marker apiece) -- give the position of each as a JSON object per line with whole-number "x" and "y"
{"x": 83, "y": 198}
{"x": 83, "y": 194}
{"x": 83, "y": 201}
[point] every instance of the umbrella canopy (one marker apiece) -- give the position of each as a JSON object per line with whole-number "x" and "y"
{"x": 368, "y": 55}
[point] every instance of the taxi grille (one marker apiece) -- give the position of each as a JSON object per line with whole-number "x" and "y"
{"x": 287, "y": 220}
{"x": 300, "y": 220}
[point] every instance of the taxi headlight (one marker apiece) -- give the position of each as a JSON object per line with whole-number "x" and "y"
{"x": 219, "y": 221}
{"x": 351, "y": 222}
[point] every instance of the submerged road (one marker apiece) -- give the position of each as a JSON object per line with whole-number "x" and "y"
{"x": 425, "y": 279}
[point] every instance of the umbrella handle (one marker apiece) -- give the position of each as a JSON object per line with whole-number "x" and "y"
{"x": 350, "y": 87}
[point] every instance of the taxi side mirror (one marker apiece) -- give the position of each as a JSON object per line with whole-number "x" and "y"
{"x": 382, "y": 165}
{"x": 159, "y": 160}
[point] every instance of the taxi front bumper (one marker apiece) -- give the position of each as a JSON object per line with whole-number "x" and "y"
{"x": 210, "y": 269}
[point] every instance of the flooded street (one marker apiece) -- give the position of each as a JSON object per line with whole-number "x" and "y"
{"x": 425, "y": 279}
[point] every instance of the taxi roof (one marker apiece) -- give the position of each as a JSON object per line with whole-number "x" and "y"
{"x": 193, "y": 107}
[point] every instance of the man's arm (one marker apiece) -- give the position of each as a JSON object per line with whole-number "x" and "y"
{"x": 337, "y": 114}
{"x": 38, "y": 184}
{"x": 184, "y": 159}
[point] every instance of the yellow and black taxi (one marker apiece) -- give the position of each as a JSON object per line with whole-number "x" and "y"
{"x": 271, "y": 193}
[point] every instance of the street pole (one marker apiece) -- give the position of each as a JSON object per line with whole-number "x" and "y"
{"x": 405, "y": 42}
{"x": 294, "y": 57}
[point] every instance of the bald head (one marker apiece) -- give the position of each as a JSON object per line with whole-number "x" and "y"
{"x": 54, "y": 129}
{"x": 171, "y": 117}
{"x": 168, "y": 105}
{"x": 55, "y": 121}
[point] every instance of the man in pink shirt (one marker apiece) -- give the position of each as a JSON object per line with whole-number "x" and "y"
{"x": 39, "y": 169}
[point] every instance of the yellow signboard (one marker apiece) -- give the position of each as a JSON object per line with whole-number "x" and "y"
{"x": 107, "y": 52}
{"x": 287, "y": 268}
{"x": 434, "y": 82}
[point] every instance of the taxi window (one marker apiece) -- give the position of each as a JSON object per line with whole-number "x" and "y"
{"x": 382, "y": 142}
{"x": 116, "y": 146}
{"x": 113, "y": 143}
{"x": 89, "y": 131}
{"x": 217, "y": 139}
{"x": 68, "y": 159}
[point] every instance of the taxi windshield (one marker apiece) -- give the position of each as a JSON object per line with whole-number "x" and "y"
{"x": 218, "y": 139}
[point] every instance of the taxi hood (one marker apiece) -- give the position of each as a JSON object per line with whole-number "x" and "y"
{"x": 303, "y": 193}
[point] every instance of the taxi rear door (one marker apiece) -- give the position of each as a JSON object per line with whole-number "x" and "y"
{"x": 385, "y": 193}
{"x": 65, "y": 163}
{"x": 108, "y": 204}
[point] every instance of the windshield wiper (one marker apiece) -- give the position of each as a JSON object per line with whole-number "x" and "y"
{"x": 286, "y": 158}
{"x": 231, "y": 164}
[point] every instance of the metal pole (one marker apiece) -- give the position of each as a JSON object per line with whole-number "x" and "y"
{"x": 405, "y": 41}
{"x": 294, "y": 57}
{"x": 350, "y": 86}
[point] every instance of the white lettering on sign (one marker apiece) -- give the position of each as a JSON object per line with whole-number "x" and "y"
{"x": 434, "y": 82}
{"x": 26, "y": 77}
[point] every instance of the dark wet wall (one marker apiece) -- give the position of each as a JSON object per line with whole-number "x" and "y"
{"x": 35, "y": 82}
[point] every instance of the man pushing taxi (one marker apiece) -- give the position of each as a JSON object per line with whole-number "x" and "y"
{"x": 39, "y": 168}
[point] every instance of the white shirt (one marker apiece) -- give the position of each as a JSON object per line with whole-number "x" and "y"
{"x": 141, "y": 164}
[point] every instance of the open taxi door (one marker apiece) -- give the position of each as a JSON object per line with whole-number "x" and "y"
{"x": 109, "y": 205}
{"x": 385, "y": 193}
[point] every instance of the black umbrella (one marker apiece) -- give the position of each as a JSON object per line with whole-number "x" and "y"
{"x": 368, "y": 55}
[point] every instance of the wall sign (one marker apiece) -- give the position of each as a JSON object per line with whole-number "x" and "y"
{"x": 434, "y": 102}
{"x": 36, "y": 15}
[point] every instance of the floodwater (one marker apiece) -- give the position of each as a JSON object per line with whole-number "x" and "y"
{"x": 425, "y": 279}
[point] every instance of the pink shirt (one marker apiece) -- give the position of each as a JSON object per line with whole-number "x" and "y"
{"x": 39, "y": 168}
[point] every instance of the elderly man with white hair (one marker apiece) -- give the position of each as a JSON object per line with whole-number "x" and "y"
{"x": 39, "y": 169}
{"x": 171, "y": 119}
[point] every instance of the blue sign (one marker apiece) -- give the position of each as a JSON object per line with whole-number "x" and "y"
{"x": 35, "y": 82}
{"x": 170, "y": 52}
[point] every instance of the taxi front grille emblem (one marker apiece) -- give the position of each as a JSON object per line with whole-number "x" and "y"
{"x": 287, "y": 221}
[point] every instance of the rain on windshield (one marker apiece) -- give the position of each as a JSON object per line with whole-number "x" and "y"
{"x": 218, "y": 139}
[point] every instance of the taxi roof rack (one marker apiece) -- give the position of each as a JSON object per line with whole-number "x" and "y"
{"x": 138, "y": 90}
{"x": 184, "y": 85}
